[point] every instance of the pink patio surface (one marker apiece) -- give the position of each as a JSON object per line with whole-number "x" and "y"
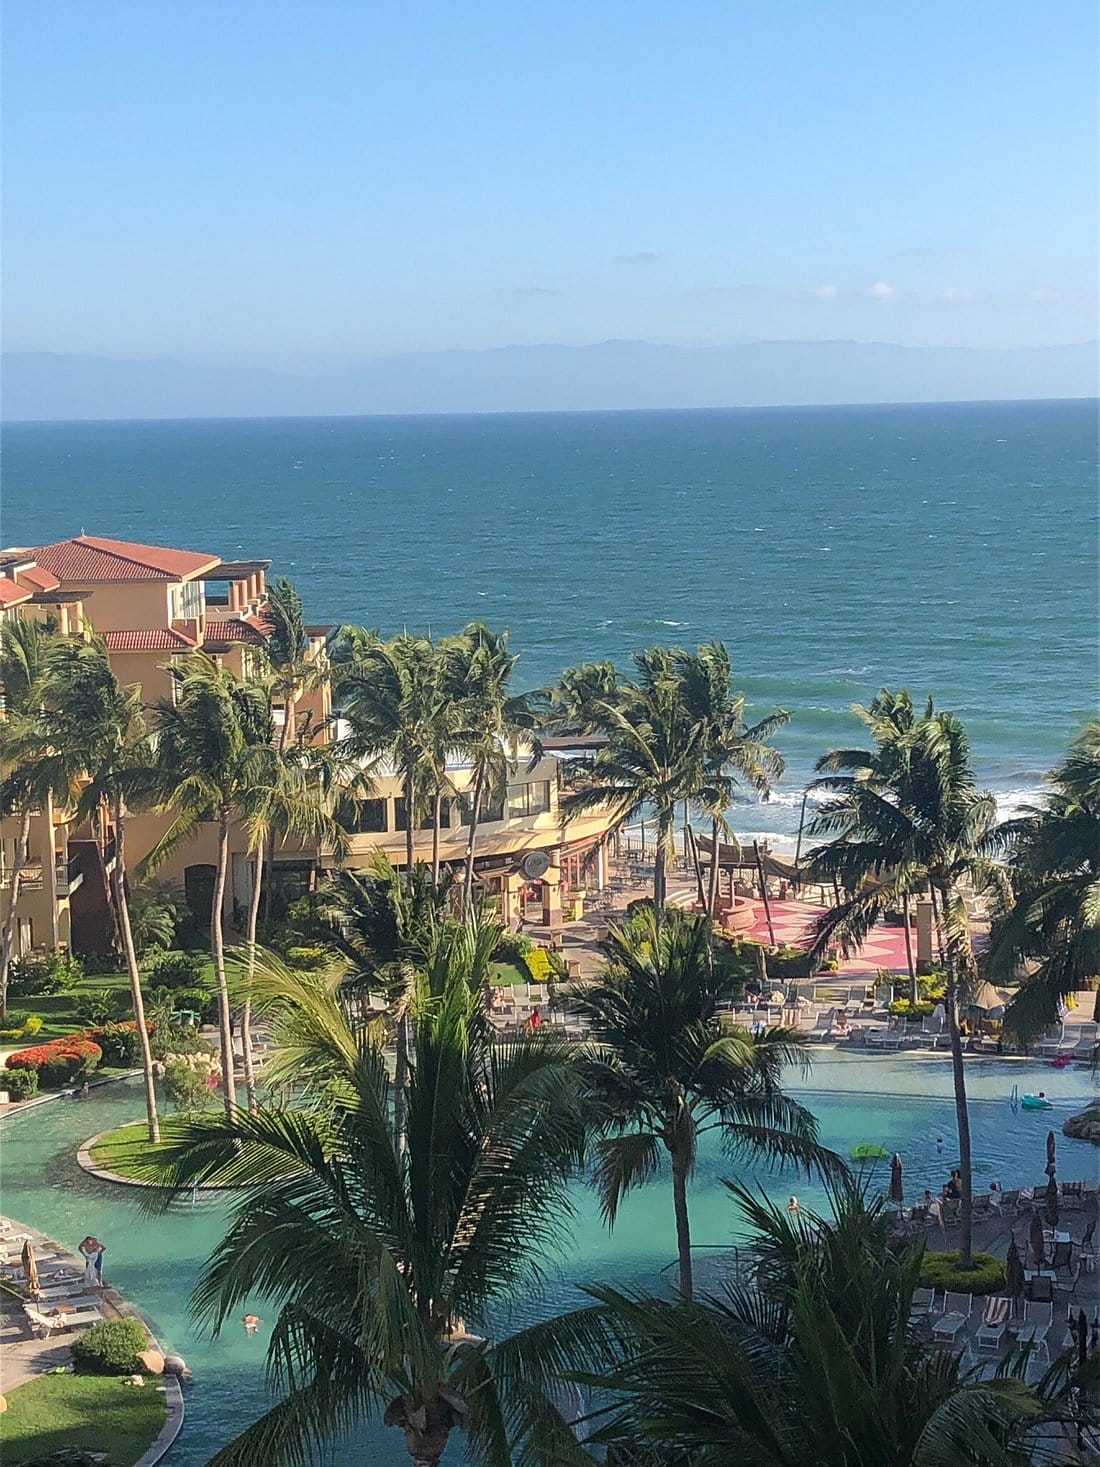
{"x": 793, "y": 920}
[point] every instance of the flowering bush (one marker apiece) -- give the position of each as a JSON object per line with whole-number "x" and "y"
{"x": 60, "y": 1061}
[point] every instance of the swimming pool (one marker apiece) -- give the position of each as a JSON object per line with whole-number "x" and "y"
{"x": 904, "y": 1104}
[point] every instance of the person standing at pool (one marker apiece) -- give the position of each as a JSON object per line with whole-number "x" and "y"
{"x": 92, "y": 1251}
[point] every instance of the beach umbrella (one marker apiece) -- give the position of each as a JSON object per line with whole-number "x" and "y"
{"x": 1081, "y": 1335}
{"x": 1052, "y": 1203}
{"x": 896, "y": 1194}
{"x": 1052, "y": 1158}
{"x": 30, "y": 1267}
{"x": 1014, "y": 1270}
{"x": 987, "y": 998}
{"x": 1035, "y": 1238}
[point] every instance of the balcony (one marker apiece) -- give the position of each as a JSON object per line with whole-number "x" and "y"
{"x": 30, "y": 878}
{"x": 69, "y": 875}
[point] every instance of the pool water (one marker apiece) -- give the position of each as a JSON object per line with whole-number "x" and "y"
{"x": 904, "y": 1104}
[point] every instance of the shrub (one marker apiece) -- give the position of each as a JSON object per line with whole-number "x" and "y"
{"x": 119, "y": 1043}
{"x": 179, "y": 1039}
{"x": 60, "y": 1061}
{"x": 538, "y": 965}
{"x": 941, "y": 1271}
{"x": 32, "y": 1025}
{"x": 513, "y": 947}
{"x": 102, "y": 1005}
{"x": 202, "y": 1001}
{"x": 111, "y": 1347}
{"x": 177, "y": 970}
{"x": 187, "y": 1081}
{"x": 903, "y": 1009}
{"x": 306, "y": 958}
{"x": 20, "y": 1084}
{"x": 54, "y": 973}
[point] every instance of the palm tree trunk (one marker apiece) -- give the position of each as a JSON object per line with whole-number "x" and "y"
{"x": 122, "y": 909}
{"x": 246, "y": 1008}
{"x": 400, "y": 1083}
{"x": 909, "y": 963}
{"x": 690, "y": 847}
{"x": 683, "y": 1224}
{"x": 437, "y": 816}
{"x": 712, "y": 894}
{"x": 962, "y": 1114}
{"x": 471, "y": 842}
{"x": 268, "y": 883}
{"x": 410, "y": 816}
{"x": 7, "y": 938}
{"x": 660, "y": 861}
{"x": 217, "y": 949}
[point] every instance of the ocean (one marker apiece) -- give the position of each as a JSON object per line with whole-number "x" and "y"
{"x": 948, "y": 549}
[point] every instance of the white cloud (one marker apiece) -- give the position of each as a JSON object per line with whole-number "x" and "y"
{"x": 880, "y": 291}
{"x": 826, "y": 292}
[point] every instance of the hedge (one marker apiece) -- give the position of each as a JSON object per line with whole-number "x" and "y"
{"x": 20, "y": 1084}
{"x": 60, "y": 1061}
{"x": 941, "y": 1271}
{"x": 110, "y": 1347}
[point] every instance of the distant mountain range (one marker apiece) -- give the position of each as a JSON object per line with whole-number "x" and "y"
{"x": 609, "y": 375}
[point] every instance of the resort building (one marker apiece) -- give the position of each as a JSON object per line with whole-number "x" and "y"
{"x": 155, "y": 606}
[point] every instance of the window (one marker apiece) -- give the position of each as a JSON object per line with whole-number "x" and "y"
{"x": 525, "y": 800}
{"x": 370, "y": 817}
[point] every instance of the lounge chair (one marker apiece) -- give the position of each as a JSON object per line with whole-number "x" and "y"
{"x": 1048, "y": 1047}
{"x": 883, "y": 1038}
{"x": 952, "y": 1206}
{"x": 956, "y": 1312}
{"x": 991, "y": 1331}
{"x": 1040, "y": 1289}
{"x": 1038, "y": 1319}
{"x": 1062, "y": 1256}
{"x": 921, "y": 1307}
{"x": 54, "y": 1323}
{"x": 1070, "y": 1286}
{"x": 822, "y": 1027}
{"x": 1086, "y": 1042}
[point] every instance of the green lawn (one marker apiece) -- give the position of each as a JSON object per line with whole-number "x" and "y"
{"x": 126, "y": 1150}
{"x": 100, "y": 1413}
{"x": 59, "y": 1010}
{"x": 508, "y": 973}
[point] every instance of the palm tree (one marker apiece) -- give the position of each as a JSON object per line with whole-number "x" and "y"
{"x": 1053, "y": 917}
{"x": 386, "y": 926}
{"x": 215, "y": 747}
{"x": 297, "y": 795}
{"x": 652, "y": 755}
{"x": 814, "y": 1363}
{"x": 488, "y": 719}
{"x": 27, "y": 783}
{"x": 906, "y": 817}
{"x": 391, "y": 695}
{"x": 736, "y": 754}
{"x": 101, "y": 726}
{"x": 376, "y": 1258}
{"x": 665, "y": 1071}
{"x": 292, "y": 671}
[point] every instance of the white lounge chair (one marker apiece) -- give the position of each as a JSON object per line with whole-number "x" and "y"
{"x": 1038, "y": 1319}
{"x": 991, "y": 1331}
{"x": 822, "y": 1026}
{"x": 1052, "y": 1043}
{"x": 49, "y": 1323}
{"x": 1086, "y": 1042}
{"x": 921, "y": 1307}
{"x": 883, "y": 1038}
{"x": 956, "y": 1312}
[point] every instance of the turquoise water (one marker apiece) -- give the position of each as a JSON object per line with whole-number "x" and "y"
{"x": 903, "y": 1104}
{"x": 949, "y": 548}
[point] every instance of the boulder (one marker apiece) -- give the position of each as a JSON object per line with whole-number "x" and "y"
{"x": 1085, "y": 1126}
{"x": 151, "y": 1361}
{"x": 176, "y": 1365}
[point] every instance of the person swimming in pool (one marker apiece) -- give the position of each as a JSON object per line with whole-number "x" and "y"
{"x": 251, "y": 1323}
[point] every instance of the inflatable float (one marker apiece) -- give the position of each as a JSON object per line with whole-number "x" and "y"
{"x": 1035, "y": 1102}
{"x": 868, "y": 1151}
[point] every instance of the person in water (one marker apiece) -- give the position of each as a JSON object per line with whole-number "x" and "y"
{"x": 251, "y": 1323}
{"x": 794, "y": 1207}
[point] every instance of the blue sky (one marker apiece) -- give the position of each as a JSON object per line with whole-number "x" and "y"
{"x": 266, "y": 181}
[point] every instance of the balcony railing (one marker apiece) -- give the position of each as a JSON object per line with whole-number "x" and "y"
{"x": 30, "y": 878}
{"x": 69, "y": 875}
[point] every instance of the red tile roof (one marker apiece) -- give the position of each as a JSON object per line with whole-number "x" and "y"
{"x": 153, "y": 639}
{"x": 40, "y": 578}
{"x": 12, "y": 594}
{"x": 232, "y": 629}
{"x": 93, "y": 558}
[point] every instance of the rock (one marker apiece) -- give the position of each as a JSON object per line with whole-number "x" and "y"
{"x": 1084, "y": 1126}
{"x": 176, "y": 1365}
{"x": 151, "y": 1361}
